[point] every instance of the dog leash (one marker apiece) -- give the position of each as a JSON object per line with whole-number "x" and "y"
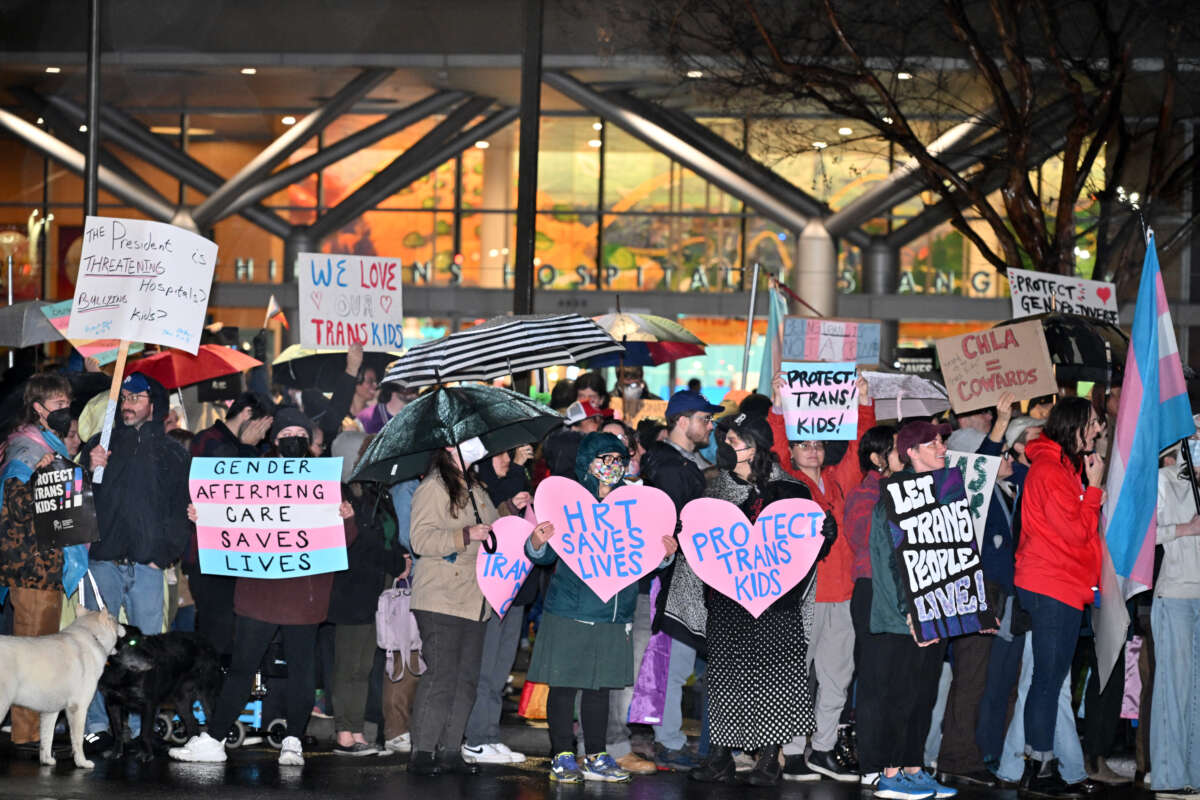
{"x": 95, "y": 591}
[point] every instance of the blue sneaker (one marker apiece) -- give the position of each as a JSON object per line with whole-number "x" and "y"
{"x": 924, "y": 780}
{"x": 899, "y": 787}
{"x": 564, "y": 769}
{"x": 601, "y": 767}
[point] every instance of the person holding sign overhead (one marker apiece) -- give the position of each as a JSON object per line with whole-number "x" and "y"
{"x": 757, "y": 678}
{"x": 584, "y": 644}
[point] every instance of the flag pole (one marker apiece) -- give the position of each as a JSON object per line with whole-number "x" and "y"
{"x": 749, "y": 326}
{"x": 1187, "y": 458}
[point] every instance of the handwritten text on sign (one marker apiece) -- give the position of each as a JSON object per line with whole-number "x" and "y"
{"x": 820, "y": 401}
{"x": 143, "y": 281}
{"x": 346, "y": 299}
{"x": 979, "y": 476}
{"x": 809, "y": 339}
{"x": 979, "y": 367}
{"x": 753, "y": 564}
{"x": 609, "y": 544}
{"x": 501, "y": 574}
{"x": 268, "y": 517}
{"x": 933, "y": 535}
{"x": 1038, "y": 292}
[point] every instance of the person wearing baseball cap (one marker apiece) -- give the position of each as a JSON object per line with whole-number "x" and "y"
{"x": 561, "y": 446}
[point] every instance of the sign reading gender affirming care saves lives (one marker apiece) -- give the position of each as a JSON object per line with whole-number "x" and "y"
{"x": 820, "y": 401}
{"x": 142, "y": 281}
{"x": 268, "y": 517}
{"x": 347, "y": 300}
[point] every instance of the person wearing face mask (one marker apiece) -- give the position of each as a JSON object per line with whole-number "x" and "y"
{"x": 632, "y": 393}
{"x": 263, "y": 608}
{"x": 33, "y": 577}
{"x": 584, "y": 645}
{"x": 757, "y": 678}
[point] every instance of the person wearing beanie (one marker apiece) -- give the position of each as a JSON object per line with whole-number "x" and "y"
{"x": 141, "y": 510}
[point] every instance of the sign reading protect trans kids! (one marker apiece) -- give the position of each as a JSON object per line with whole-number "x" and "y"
{"x": 268, "y": 517}
{"x": 347, "y": 300}
{"x": 142, "y": 281}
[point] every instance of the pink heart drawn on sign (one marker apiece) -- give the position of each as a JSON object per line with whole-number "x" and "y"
{"x": 385, "y": 302}
{"x": 316, "y": 298}
{"x": 1104, "y": 293}
{"x": 609, "y": 544}
{"x": 753, "y": 565}
{"x": 500, "y": 574}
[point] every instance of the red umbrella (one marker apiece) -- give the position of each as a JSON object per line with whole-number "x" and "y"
{"x": 175, "y": 368}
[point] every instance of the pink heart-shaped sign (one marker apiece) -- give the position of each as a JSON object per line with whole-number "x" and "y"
{"x": 316, "y": 298}
{"x": 609, "y": 544}
{"x": 752, "y": 564}
{"x": 500, "y": 574}
{"x": 1104, "y": 293}
{"x": 385, "y": 302}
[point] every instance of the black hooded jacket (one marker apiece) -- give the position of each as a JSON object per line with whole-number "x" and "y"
{"x": 142, "y": 504}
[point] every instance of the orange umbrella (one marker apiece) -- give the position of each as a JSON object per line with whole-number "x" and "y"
{"x": 175, "y": 368}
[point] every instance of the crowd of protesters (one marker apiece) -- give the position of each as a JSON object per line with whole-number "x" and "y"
{"x": 828, "y": 684}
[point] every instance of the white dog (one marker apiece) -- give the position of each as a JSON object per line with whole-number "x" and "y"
{"x": 58, "y": 672}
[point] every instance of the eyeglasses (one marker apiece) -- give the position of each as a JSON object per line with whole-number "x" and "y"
{"x": 703, "y": 419}
{"x": 808, "y": 445}
{"x": 609, "y": 459}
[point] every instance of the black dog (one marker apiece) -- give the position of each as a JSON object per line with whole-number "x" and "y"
{"x": 147, "y": 672}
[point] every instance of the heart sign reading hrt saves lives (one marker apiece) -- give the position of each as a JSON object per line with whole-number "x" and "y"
{"x": 611, "y": 543}
{"x": 501, "y": 574}
{"x": 753, "y": 564}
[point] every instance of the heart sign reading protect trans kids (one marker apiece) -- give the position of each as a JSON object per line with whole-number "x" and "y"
{"x": 500, "y": 574}
{"x": 611, "y": 543}
{"x": 752, "y": 564}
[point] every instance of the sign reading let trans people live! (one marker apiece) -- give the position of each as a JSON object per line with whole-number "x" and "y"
{"x": 142, "y": 281}
{"x": 347, "y": 299}
{"x": 268, "y": 517}
{"x": 981, "y": 366}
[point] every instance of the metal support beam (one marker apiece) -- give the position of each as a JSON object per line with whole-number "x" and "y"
{"x": 207, "y": 212}
{"x": 702, "y": 163}
{"x": 154, "y": 207}
{"x": 387, "y": 181}
{"x": 92, "y": 159}
{"x": 527, "y": 158}
{"x": 342, "y": 148}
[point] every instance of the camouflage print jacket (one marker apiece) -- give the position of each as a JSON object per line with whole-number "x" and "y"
{"x": 21, "y": 564}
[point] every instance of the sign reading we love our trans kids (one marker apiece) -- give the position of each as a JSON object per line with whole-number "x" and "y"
{"x": 268, "y": 517}
{"x": 347, "y": 299}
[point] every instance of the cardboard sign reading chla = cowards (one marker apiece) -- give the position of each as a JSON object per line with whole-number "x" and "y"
{"x": 937, "y": 558}
{"x": 64, "y": 512}
{"x": 268, "y": 517}
{"x": 752, "y": 564}
{"x": 608, "y": 543}
{"x": 348, "y": 299}
{"x": 820, "y": 400}
{"x": 981, "y": 366}
{"x": 142, "y": 281}
{"x": 501, "y": 574}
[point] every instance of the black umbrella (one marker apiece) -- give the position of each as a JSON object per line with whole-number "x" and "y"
{"x": 447, "y": 417}
{"x": 305, "y": 368}
{"x": 1081, "y": 348}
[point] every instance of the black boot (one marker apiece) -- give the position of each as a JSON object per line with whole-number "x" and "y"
{"x": 1041, "y": 779}
{"x": 846, "y": 749}
{"x": 452, "y": 761}
{"x": 422, "y": 762}
{"x": 717, "y": 768}
{"x": 766, "y": 770}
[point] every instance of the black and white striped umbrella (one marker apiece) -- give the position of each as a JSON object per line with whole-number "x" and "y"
{"x": 502, "y": 346}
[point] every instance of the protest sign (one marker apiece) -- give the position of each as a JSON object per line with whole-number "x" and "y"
{"x": 501, "y": 574}
{"x": 937, "y": 558}
{"x": 268, "y": 517}
{"x": 63, "y": 510}
{"x": 103, "y": 350}
{"x": 981, "y": 366}
{"x": 142, "y": 281}
{"x": 979, "y": 477}
{"x": 820, "y": 400}
{"x": 826, "y": 339}
{"x": 348, "y": 299}
{"x": 608, "y": 543}
{"x": 753, "y": 564}
{"x": 901, "y": 395}
{"x": 1039, "y": 292}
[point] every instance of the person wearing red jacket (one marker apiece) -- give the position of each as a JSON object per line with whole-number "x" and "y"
{"x": 831, "y": 648}
{"x": 1058, "y": 566}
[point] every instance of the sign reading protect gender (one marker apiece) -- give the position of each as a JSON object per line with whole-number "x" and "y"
{"x": 142, "y": 281}
{"x": 268, "y": 517}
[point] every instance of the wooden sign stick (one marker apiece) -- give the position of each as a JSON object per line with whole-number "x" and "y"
{"x": 110, "y": 412}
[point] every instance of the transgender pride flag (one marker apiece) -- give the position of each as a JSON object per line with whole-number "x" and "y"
{"x": 1154, "y": 414}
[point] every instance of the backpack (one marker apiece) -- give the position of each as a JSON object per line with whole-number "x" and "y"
{"x": 396, "y": 628}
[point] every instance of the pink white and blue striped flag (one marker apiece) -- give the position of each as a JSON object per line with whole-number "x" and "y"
{"x": 1153, "y": 415}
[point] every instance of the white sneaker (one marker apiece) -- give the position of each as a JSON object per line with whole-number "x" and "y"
{"x": 398, "y": 744}
{"x": 202, "y": 748}
{"x": 869, "y": 778}
{"x": 513, "y": 756}
{"x": 486, "y": 754}
{"x": 291, "y": 754}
